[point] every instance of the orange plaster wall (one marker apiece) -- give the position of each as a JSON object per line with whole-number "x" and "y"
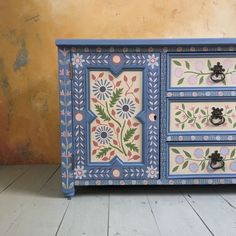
{"x": 29, "y": 123}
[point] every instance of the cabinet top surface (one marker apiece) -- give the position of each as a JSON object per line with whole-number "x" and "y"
{"x": 143, "y": 42}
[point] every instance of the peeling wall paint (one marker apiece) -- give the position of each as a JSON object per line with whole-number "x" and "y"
{"x": 29, "y": 117}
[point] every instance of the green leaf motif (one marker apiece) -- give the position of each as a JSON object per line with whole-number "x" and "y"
{"x": 185, "y": 165}
{"x": 115, "y": 97}
{"x": 180, "y": 81}
{"x": 129, "y": 133}
{"x": 102, "y": 113}
{"x": 207, "y": 152}
{"x": 203, "y": 112}
{"x": 196, "y": 111}
{"x": 187, "y": 154}
{"x": 201, "y": 80}
{"x": 232, "y": 153}
{"x": 175, "y": 168}
{"x": 177, "y": 63}
{"x": 203, "y": 165}
{"x": 175, "y": 150}
{"x": 223, "y": 82}
{"x": 234, "y": 125}
{"x": 187, "y": 65}
{"x": 103, "y": 152}
{"x": 178, "y": 113}
{"x": 132, "y": 147}
{"x": 229, "y": 111}
{"x": 183, "y": 106}
{"x": 182, "y": 126}
{"x": 189, "y": 113}
{"x": 209, "y": 64}
{"x": 235, "y": 66}
{"x": 230, "y": 120}
{"x": 177, "y": 120}
{"x": 198, "y": 126}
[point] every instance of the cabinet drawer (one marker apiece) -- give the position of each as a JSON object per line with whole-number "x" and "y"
{"x": 201, "y": 116}
{"x": 198, "y": 160}
{"x": 199, "y": 71}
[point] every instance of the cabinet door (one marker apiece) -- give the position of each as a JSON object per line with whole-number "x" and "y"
{"x": 115, "y": 117}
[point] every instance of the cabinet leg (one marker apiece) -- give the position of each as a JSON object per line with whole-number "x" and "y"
{"x": 69, "y": 193}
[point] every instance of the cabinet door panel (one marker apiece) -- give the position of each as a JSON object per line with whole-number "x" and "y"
{"x": 116, "y": 116}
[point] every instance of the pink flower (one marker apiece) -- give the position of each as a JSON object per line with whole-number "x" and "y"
{"x": 227, "y": 63}
{"x": 199, "y": 65}
{"x": 178, "y": 72}
{"x": 192, "y": 108}
{"x": 177, "y": 125}
{"x": 226, "y": 106}
{"x": 206, "y": 107}
{"x": 192, "y": 125}
{"x": 233, "y": 115}
{"x": 184, "y": 116}
{"x": 199, "y": 116}
{"x": 192, "y": 79}
{"x": 177, "y": 107}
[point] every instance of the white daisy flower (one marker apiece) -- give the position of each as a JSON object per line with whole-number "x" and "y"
{"x": 152, "y": 172}
{"x": 152, "y": 61}
{"x": 77, "y": 60}
{"x": 80, "y": 172}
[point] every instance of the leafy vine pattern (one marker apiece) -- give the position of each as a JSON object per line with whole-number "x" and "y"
{"x": 198, "y": 116}
{"x": 197, "y": 160}
{"x": 200, "y": 72}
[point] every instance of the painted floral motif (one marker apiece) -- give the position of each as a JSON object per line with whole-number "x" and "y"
{"x": 115, "y": 102}
{"x": 80, "y": 172}
{"x": 152, "y": 61}
{"x": 152, "y": 172}
{"x": 125, "y": 108}
{"x": 190, "y": 160}
{"x": 197, "y": 116}
{"x": 103, "y": 134}
{"x": 196, "y": 72}
{"x": 77, "y": 60}
{"x": 102, "y": 89}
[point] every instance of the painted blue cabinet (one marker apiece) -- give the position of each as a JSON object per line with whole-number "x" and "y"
{"x": 147, "y": 112}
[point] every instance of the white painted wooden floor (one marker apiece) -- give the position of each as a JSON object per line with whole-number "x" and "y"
{"x": 31, "y": 204}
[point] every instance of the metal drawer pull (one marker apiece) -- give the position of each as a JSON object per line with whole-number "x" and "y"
{"x": 217, "y": 117}
{"x": 218, "y": 73}
{"x": 216, "y": 161}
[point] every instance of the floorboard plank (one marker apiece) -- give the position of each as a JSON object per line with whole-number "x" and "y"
{"x": 219, "y": 217}
{"x": 173, "y": 213}
{"x": 228, "y": 193}
{"x": 130, "y": 213}
{"x": 87, "y": 213}
{"x": 8, "y": 174}
{"x": 43, "y": 214}
{"x": 15, "y": 199}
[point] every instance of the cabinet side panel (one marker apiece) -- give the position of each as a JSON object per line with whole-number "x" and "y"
{"x": 65, "y": 121}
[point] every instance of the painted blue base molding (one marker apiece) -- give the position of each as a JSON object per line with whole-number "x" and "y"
{"x": 147, "y": 112}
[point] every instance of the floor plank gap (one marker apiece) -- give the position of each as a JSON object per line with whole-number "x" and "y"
{"x": 198, "y": 215}
{"x": 59, "y": 226}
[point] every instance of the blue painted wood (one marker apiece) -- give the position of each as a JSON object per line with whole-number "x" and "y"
{"x": 145, "y": 42}
{"x": 74, "y": 98}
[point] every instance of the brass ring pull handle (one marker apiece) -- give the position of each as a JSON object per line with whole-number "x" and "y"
{"x": 217, "y": 117}
{"x": 216, "y": 161}
{"x": 217, "y": 74}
